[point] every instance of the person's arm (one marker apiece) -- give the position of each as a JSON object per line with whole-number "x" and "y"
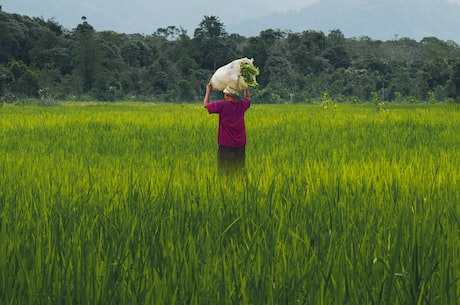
{"x": 207, "y": 95}
{"x": 246, "y": 93}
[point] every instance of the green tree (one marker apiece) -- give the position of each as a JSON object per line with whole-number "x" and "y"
{"x": 281, "y": 76}
{"x": 87, "y": 54}
{"x": 5, "y": 80}
{"x": 171, "y": 32}
{"x": 337, "y": 57}
{"x": 258, "y": 49}
{"x": 50, "y": 50}
{"x": 210, "y": 28}
{"x": 184, "y": 54}
{"x": 162, "y": 76}
{"x": 137, "y": 54}
{"x": 25, "y": 81}
{"x": 186, "y": 91}
{"x": 336, "y": 38}
{"x": 438, "y": 72}
{"x": 261, "y": 48}
{"x": 13, "y": 35}
{"x": 210, "y": 40}
{"x": 314, "y": 41}
{"x": 456, "y": 81}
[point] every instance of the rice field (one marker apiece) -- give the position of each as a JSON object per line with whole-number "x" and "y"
{"x": 121, "y": 203}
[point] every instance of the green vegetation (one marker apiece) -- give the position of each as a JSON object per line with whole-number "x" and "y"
{"x": 249, "y": 72}
{"x": 121, "y": 204}
{"x": 42, "y": 60}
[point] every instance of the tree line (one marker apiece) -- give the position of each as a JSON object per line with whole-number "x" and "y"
{"x": 40, "y": 59}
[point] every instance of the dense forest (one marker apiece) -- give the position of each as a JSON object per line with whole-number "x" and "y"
{"x": 43, "y": 60}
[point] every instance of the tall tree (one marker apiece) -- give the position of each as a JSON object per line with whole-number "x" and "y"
{"x": 210, "y": 39}
{"x": 87, "y": 55}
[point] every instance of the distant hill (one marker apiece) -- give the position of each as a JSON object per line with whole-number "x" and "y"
{"x": 380, "y": 20}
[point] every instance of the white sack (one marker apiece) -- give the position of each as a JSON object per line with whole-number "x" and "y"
{"x": 229, "y": 76}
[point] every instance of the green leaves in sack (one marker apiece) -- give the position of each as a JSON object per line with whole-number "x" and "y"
{"x": 248, "y": 72}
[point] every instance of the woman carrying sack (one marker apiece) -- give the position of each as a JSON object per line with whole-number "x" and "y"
{"x": 232, "y": 131}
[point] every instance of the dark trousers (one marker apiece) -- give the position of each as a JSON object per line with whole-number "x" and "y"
{"x": 231, "y": 159}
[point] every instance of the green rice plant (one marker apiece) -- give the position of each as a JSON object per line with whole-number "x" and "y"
{"x": 121, "y": 203}
{"x": 328, "y": 102}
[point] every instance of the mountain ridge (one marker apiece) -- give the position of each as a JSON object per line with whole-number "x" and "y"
{"x": 363, "y": 18}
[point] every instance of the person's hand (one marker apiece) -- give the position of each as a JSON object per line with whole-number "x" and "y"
{"x": 207, "y": 95}
{"x": 246, "y": 93}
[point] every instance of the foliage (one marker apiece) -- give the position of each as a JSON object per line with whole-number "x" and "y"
{"x": 379, "y": 105}
{"x": 294, "y": 66}
{"x": 327, "y": 102}
{"x": 249, "y": 72}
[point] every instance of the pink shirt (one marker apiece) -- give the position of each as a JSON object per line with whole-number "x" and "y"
{"x": 232, "y": 131}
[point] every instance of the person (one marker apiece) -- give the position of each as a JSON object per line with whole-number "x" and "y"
{"x": 231, "y": 137}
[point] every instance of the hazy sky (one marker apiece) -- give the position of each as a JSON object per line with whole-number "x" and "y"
{"x": 146, "y": 16}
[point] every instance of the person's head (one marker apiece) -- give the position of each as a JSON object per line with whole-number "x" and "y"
{"x": 230, "y": 94}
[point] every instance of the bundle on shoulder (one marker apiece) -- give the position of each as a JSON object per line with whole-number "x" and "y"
{"x": 236, "y": 75}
